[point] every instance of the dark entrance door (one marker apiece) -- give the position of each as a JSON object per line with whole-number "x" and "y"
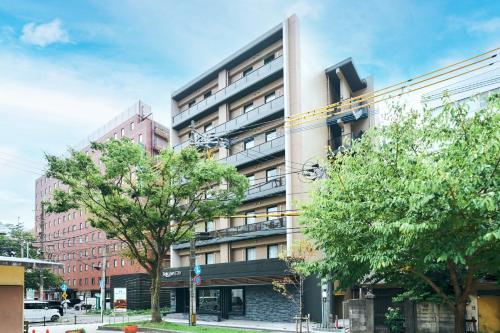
{"x": 225, "y": 301}
{"x": 182, "y": 300}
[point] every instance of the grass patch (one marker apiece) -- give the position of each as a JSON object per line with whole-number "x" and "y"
{"x": 184, "y": 328}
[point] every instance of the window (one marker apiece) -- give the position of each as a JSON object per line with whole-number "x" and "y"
{"x": 247, "y": 71}
{"x": 249, "y": 143}
{"x": 209, "y": 226}
{"x": 271, "y": 135}
{"x": 123, "y": 262}
{"x": 250, "y": 253}
{"x": 139, "y": 139}
{"x": 74, "y": 282}
{"x": 207, "y": 94}
{"x": 190, "y": 104}
{"x": 86, "y": 281}
{"x": 248, "y": 107}
{"x": 272, "y": 210}
{"x": 79, "y": 282}
{"x": 269, "y": 97}
{"x": 210, "y": 258}
{"x": 115, "y": 263}
{"x": 132, "y": 126}
{"x": 250, "y": 217}
{"x": 122, "y": 132}
{"x": 251, "y": 180}
{"x": 92, "y": 280}
{"x": 268, "y": 59}
{"x": 208, "y": 300}
{"x": 207, "y": 127}
{"x": 271, "y": 174}
{"x": 115, "y": 136}
{"x": 81, "y": 226}
{"x": 237, "y": 301}
{"x": 272, "y": 251}
{"x": 86, "y": 267}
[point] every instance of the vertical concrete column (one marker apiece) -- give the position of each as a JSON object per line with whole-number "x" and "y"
{"x": 370, "y": 312}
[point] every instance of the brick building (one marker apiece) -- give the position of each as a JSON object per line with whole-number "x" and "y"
{"x": 68, "y": 238}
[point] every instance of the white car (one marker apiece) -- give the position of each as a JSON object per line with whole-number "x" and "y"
{"x": 39, "y": 311}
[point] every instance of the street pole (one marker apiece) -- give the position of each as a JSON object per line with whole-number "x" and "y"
{"x": 42, "y": 240}
{"x": 103, "y": 284}
{"x": 192, "y": 285}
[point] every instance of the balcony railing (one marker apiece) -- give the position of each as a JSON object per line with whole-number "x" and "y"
{"x": 349, "y": 113}
{"x": 257, "y": 153}
{"x": 269, "y": 188}
{"x": 251, "y": 117}
{"x": 239, "y": 86}
{"x": 261, "y": 112}
{"x": 278, "y": 223}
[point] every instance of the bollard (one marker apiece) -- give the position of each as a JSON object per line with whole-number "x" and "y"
{"x": 75, "y": 319}
{"x": 33, "y": 331}
{"x": 47, "y": 331}
{"x": 43, "y": 320}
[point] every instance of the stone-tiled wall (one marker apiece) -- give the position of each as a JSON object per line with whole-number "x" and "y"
{"x": 264, "y": 304}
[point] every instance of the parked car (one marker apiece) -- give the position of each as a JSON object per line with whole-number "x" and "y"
{"x": 73, "y": 302}
{"x": 39, "y": 311}
{"x": 56, "y": 305}
{"x": 82, "y": 306}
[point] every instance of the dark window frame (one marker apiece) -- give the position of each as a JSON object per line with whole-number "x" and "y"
{"x": 269, "y": 58}
{"x": 247, "y": 71}
{"x": 243, "y": 310}
{"x": 277, "y": 253}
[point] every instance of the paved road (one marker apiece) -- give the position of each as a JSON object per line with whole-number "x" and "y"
{"x": 89, "y": 328}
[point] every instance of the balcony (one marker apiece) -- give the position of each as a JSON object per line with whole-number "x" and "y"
{"x": 242, "y": 232}
{"x": 270, "y": 188}
{"x": 253, "y": 80}
{"x": 261, "y": 113}
{"x": 258, "y": 153}
{"x": 359, "y": 112}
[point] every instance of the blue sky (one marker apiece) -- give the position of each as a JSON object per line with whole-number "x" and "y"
{"x": 66, "y": 67}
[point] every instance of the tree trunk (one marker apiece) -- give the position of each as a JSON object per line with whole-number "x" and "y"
{"x": 155, "y": 295}
{"x": 459, "y": 312}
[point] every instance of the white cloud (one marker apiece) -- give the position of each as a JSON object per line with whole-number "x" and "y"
{"x": 44, "y": 34}
{"x": 485, "y": 26}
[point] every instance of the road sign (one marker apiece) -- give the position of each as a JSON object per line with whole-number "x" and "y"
{"x": 64, "y": 295}
{"x": 197, "y": 280}
{"x": 64, "y": 287}
{"x": 197, "y": 269}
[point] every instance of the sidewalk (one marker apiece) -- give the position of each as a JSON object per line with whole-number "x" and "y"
{"x": 245, "y": 324}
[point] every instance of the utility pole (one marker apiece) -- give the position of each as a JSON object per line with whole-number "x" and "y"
{"x": 103, "y": 283}
{"x": 42, "y": 250}
{"x": 192, "y": 285}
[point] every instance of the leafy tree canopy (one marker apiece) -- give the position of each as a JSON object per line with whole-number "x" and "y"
{"x": 417, "y": 200}
{"x": 147, "y": 202}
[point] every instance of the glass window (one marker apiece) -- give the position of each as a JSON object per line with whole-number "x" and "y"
{"x": 207, "y": 127}
{"x": 269, "y": 58}
{"x": 250, "y": 253}
{"x": 250, "y": 217}
{"x": 122, "y": 133}
{"x": 140, "y": 138}
{"x": 248, "y": 107}
{"x": 132, "y": 126}
{"x": 237, "y": 300}
{"x": 123, "y": 262}
{"x": 207, "y": 94}
{"x": 210, "y": 258}
{"x": 247, "y": 71}
{"x": 251, "y": 180}
{"x": 249, "y": 143}
{"x": 115, "y": 263}
{"x": 271, "y": 135}
{"x": 208, "y": 300}
{"x": 272, "y": 210}
{"x": 115, "y": 136}
{"x": 193, "y": 102}
{"x": 209, "y": 226}
{"x": 271, "y": 174}
{"x": 272, "y": 251}
{"x": 269, "y": 97}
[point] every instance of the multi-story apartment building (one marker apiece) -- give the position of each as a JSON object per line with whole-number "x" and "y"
{"x": 68, "y": 238}
{"x": 244, "y": 102}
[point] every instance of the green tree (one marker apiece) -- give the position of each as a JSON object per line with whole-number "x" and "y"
{"x": 148, "y": 203}
{"x": 14, "y": 244}
{"x": 415, "y": 200}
